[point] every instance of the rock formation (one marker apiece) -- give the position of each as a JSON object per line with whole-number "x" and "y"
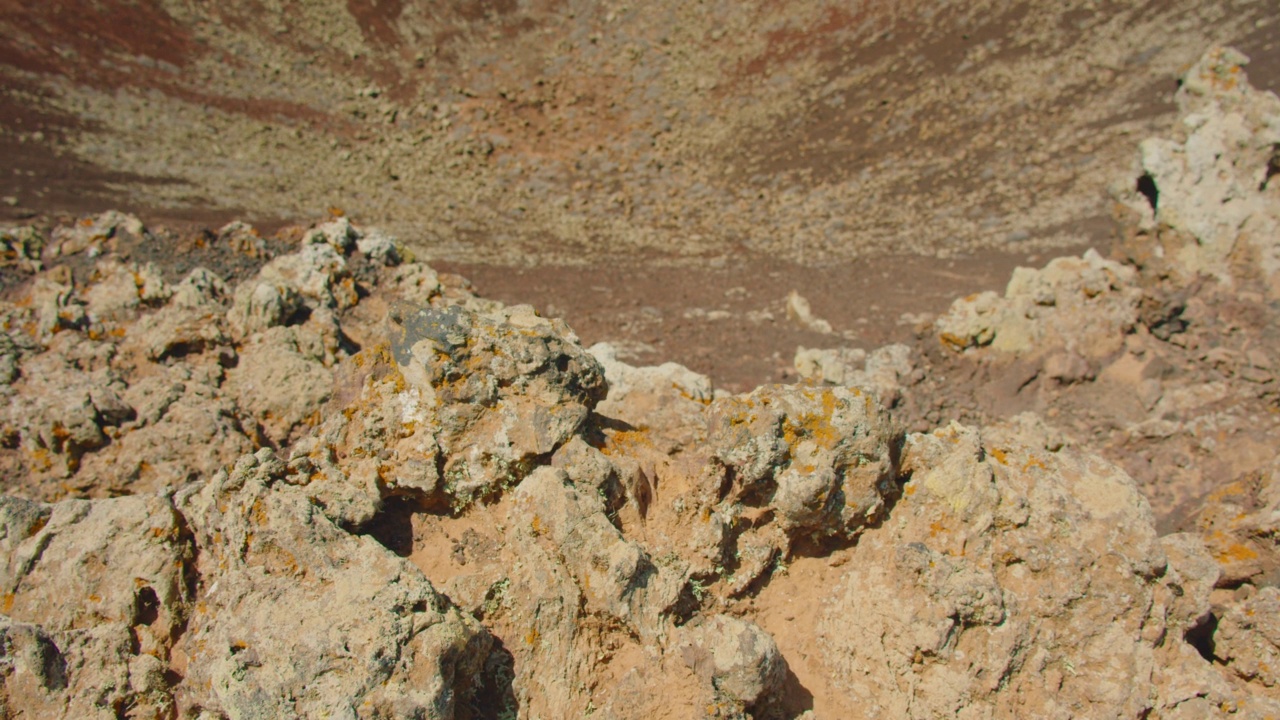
{"x": 335, "y": 483}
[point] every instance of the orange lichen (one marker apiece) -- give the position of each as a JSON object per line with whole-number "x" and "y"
{"x": 1236, "y": 552}
{"x": 627, "y": 442}
{"x": 953, "y": 341}
{"x": 813, "y": 426}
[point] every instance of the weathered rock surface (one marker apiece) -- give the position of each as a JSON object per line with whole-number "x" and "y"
{"x": 298, "y": 618}
{"x": 1207, "y": 199}
{"x": 959, "y": 594}
{"x": 339, "y": 485}
{"x": 1079, "y": 306}
{"x": 95, "y": 593}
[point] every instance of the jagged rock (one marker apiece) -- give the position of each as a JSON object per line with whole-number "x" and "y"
{"x": 299, "y": 618}
{"x": 62, "y": 412}
{"x": 56, "y": 306}
{"x": 831, "y": 365}
{"x": 1079, "y": 305}
{"x": 500, "y": 389}
{"x": 885, "y": 371}
{"x": 821, "y": 457}
{"x": 116, "y": 288}
{"x": 102, "y": 587}
{"x": 1247, "y": 639}
{"x": 958, "y": 596}
{"x": 1206, "y": 200}
{"x": 259, "y": 306}
{"x": 415, "y": 283}
{"x": 191, "y": 322}
{"x": 620, "y": 531}
{"x": 669, "y": 399}
{"x": 289, "y": 287}
{"x": 1238, "y": 522}
{"x": 381, "y": 247}
{"x": 337, "y": 233}
{"x": 739, "y": 658}
{"x": 92, "y": 233}
{"x": 282, "y": 378}
{"x": 317, "y": 272}
{"x": 616, "y": 576}
{"x": 243, "y": 238}
{"x": 33, "y": 673}
{"x": 177, "y": 411}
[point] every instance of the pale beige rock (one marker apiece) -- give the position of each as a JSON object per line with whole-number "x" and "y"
{"x": 1211, "y": 179}
{"x": 106, "y": 582}
{"x": 503, "y": 387}
{"x": 116, "y": 288}
{"x": 616, "y": 575}
{"x": 281, "y": 379}
{"x": 820, "y": 454}
{"x": 885, "y": 370}
{"x": 92, "y": 232}
{"x": 1247, "y": 639}
{"x": 958, "y": 595}
{"x": 669, "y": 398}
{"x": 298, "y": 618}
{"x": 1079, "y": 306}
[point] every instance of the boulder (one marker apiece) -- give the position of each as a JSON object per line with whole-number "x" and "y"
{"x": 299, "y": 618}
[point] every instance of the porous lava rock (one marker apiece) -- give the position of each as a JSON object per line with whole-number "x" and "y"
{"x": 338, "y": 484}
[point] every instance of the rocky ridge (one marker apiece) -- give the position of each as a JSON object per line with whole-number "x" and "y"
{"x": 325, "y": 480}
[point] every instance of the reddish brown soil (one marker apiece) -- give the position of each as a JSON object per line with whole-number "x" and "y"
{"x": 658, "y": 306}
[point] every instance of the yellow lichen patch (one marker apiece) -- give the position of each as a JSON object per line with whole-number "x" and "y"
{"x": 1034, "y": 462}
{"x": 689, "y": 396}
{"x": 8, "y": 602}
{"x": 1000, "y": 456}
{"x": 258, "y": 512}
{"x": 397, "y": 380}
{"x": 169, "y": 533}
{"x": 813, "y": 426}
{"x": 532, "y": 637}
{"x": 41, "y": 459}
{"x": 627, "y": 442}
{"x": 535, "y": 525}
{"x": 1236, "y": 552}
